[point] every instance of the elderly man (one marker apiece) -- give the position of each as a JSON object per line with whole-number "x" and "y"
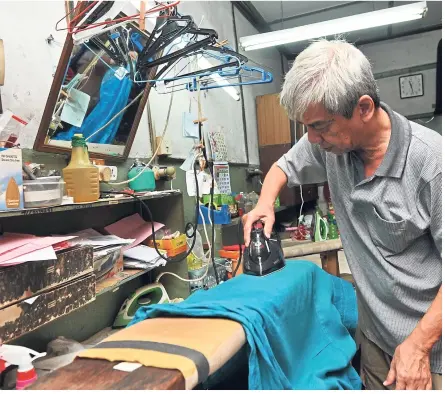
{"x": 385, "y": 179}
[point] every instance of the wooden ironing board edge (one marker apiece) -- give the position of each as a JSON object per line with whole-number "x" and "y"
{"x": 94, "y": 374}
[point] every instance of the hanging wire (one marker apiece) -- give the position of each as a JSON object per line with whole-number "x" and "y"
{"x": 158, "y": 8}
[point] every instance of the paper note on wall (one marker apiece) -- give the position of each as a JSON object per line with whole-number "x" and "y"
{"x": 189, "y": 129}
{"x": 75, "y": 108}
{"x": 204, "y": 183}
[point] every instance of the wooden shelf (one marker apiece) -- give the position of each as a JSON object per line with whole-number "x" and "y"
{"x": 118, "y": 280}
{"x": 100, "y": 203}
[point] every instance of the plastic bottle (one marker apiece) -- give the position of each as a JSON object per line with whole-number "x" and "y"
{"x": 81, "y": 177}
{"x": 241, "y": 204}
{"x": 145, "y": 181}
{"x": 20, "y": 356}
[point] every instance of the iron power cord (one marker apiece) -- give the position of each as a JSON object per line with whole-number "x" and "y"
{"x": 240, "y": 257}
{"x": 212, "y": 213}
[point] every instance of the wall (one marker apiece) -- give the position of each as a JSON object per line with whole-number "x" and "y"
{"x": 412, "y": 54}
{"x": 30, "y": 63}
{"x": 403, "y": 56}
{"x": 268, "y": 59}
{"x": 217, "y": 105}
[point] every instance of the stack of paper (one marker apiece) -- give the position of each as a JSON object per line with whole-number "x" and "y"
{"x": 103, "y": 241}
{"x": 143, "y": 257}
{"x": 133, "y": 227}
{"x": 20, "y": 248}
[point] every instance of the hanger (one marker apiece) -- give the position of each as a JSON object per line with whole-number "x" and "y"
{"x": 258, "y": 75}
{"x": 226, "y": 57}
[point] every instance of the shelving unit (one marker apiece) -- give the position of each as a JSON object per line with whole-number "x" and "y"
{"x": 166, "y": 207}
{"x": 101, "y": 203}
{"x": 118, "y": 280}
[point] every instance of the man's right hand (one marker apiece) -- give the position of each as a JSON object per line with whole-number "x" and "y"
{"x": 265, "y": 213}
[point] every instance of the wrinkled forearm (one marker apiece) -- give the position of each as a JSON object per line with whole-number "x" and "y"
{"x": 429, "y": 329}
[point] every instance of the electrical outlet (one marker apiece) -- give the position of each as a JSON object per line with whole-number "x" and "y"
{"x": 113, "y": 170}
{"x": 113, "y": 173}
{"x": 165, "y": 148}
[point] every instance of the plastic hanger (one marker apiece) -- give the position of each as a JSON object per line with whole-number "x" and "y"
{"x": 244, "y": 72}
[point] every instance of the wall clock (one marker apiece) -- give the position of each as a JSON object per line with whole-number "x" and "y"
{"x": 411, "y": 86}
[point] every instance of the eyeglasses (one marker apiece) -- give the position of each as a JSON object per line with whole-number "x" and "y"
{"x": 321, "y": 126}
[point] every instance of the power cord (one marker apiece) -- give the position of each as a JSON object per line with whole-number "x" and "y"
{"x": 240, "y": 257}
{"x": 188, "y": 225}
{"x": 212, "y": 213}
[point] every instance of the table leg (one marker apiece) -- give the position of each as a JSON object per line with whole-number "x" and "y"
{"x": 329, "y": 262}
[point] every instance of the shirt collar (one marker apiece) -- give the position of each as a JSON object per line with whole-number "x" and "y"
{"x": 394, "y": 160}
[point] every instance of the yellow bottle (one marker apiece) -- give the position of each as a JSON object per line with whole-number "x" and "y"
{"x": 81, "y": 177}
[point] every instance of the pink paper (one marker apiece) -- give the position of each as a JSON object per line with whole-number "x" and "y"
{"x": 10, "y": 241}
{"x": 133, "y": 227}
{"x": 38, "y": 255}
{"x": 16, "y": 245}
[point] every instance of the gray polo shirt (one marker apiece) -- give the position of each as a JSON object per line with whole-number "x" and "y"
{"x": 390, "y": 226}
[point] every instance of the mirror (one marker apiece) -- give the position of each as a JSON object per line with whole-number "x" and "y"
{"x": 94, "y": 93}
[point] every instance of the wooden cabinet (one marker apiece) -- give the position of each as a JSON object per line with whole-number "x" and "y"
{"x": 276, "y": 135}
{"x": 273, "y": 123}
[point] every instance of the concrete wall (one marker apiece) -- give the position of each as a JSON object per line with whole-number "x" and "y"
{"x": 268, "y": 59}
{"x": 31, "y": 62}
{"x": 412, "y": 54}
{"x": 404, "y": 56}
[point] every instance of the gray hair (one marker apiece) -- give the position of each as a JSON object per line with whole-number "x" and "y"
{"x": 332, "y": 73}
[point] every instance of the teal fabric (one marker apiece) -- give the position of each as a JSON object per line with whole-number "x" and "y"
{"x": 298, "y": 324}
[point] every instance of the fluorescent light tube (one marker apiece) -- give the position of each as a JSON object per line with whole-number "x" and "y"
{"x": 356, "y": 22}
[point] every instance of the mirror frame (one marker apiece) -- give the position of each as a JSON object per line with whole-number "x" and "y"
{"x": 39, "y": 143}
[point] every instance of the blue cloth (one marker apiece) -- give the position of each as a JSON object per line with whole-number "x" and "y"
{"x": 298, "y": 324}
{"x": 114, "y": 94}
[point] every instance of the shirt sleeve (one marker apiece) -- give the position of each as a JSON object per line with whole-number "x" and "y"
{"x": 304, "y": 164}
{"x": 430, "y": 200}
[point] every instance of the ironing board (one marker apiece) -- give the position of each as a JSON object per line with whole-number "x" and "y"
{"x": 221, "y": 341}
{"x": 97, "y": 374}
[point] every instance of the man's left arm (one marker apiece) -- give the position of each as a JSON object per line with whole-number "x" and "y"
{"x": 410, "y": 367}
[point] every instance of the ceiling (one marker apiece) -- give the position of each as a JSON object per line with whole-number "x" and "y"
{"x": 277, "y": 15}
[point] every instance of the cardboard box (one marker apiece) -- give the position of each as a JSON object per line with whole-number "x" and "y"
{"x": 167, "y": 244}
{"x": 11, "y": 179}
{"x": 23, "y": 281}
{"x": 176, "y": 251}
{"x": 28, "y": 315}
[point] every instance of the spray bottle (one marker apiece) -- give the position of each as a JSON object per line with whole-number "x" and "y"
{"x": 23, "y": 358}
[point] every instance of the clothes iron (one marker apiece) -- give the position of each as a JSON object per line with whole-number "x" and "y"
{"x": 264, "y": 255}
{"x": 146, "y": 295}
{"x": 321, "y": 227}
